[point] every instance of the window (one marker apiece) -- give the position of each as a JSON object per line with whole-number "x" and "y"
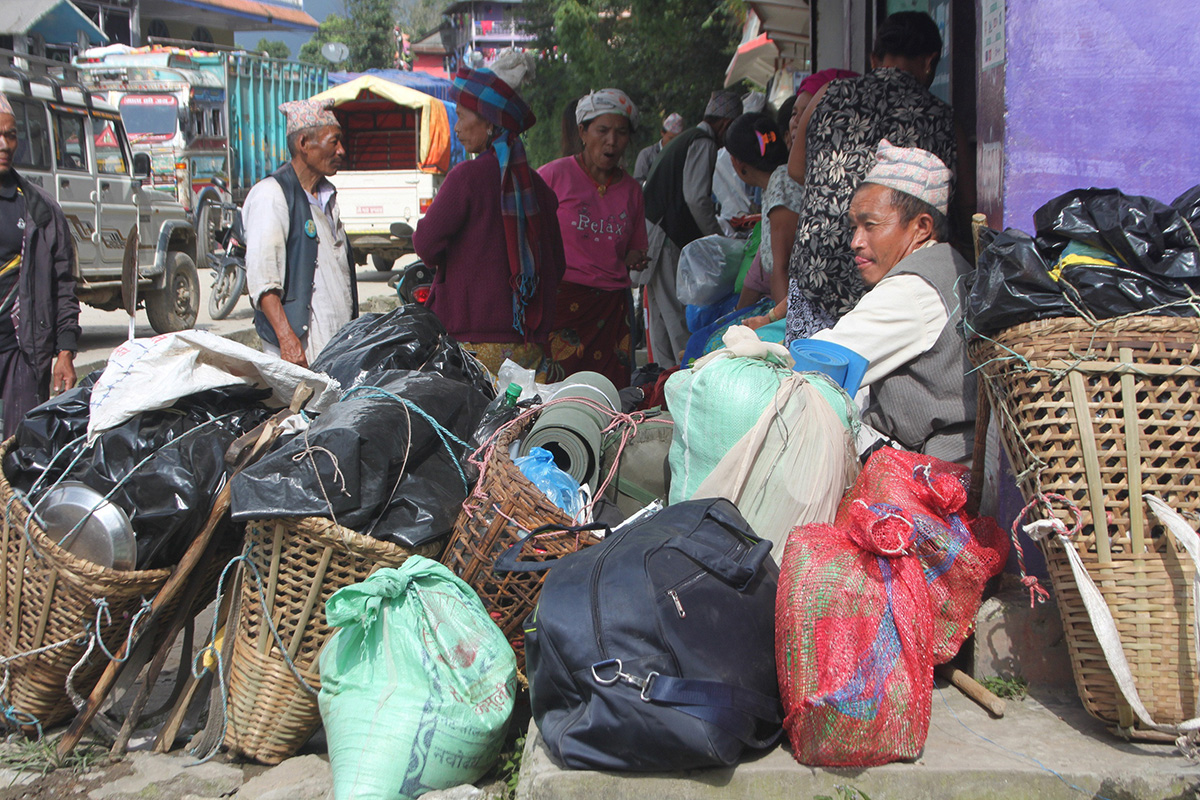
{"x": 217, "y": 128}
{"x": 33, "y": 140}
{"x": 110, "y": 158}
{"x": 70, "y": 148}
{"x": 150, "y": 117}
{"x": 201, "y": 34}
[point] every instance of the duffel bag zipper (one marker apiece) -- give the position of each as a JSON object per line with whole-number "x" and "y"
{"x": 593, "y": 593}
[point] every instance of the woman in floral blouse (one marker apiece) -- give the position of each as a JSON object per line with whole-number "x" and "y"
{"x": 843, "y": 127}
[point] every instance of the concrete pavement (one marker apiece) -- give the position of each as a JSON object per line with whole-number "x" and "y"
{"x": 1044, "y": 748}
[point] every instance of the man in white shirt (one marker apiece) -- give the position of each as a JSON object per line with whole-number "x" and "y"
{"x": 922, "y": 394}
{"x": 299, "y": 267}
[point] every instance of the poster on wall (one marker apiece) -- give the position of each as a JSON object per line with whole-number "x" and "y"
{"x": 991, "y": 54}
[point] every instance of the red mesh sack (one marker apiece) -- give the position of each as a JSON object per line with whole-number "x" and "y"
{"x": 867, "y": 606}
{"x": 958, "y": 553}
{"x": 852, "y": 641}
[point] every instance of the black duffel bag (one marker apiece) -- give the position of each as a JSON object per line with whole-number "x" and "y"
{"x": 655, "y": 650}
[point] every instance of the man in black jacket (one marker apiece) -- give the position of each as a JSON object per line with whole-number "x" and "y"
{"x": 39, "y": 314}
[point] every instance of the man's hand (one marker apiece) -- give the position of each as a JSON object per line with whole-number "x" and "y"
{"x": 291, "y": 350}
{"x": 290, "y": 347}
{"x": 62, "y": 377}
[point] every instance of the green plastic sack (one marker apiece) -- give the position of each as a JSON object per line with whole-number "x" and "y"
{"x": 748, "y": 254}
{"x": 416, "y": 688}
{"x": 713, "y": 407}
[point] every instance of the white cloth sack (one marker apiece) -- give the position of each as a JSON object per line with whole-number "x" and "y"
{"x": 147, "y": 374}
{"x": 792, "y": 467}
{"x": 708, "y": 269}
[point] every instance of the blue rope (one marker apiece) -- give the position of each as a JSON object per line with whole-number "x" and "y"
{"x": 21, "y": 719}
{"x": 445, "y": 435}
{"x": 102, "y": 609}
{"x": 198, "y": 668}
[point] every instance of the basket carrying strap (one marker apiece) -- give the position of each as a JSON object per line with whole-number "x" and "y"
{"x": 1106, "y": 629}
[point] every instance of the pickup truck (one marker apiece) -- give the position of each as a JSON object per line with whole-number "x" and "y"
{"x": 74, "y": 146}
{"x": 398, "y": 143}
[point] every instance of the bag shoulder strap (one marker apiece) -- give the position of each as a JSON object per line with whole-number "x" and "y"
{"x": 736, "y": 710}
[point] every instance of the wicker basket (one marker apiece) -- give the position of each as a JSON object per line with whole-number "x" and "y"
{"x": 512, "y": 507}
{"x": 302, "y": 562}
{"x": 47, "y": 597}
{"x": 1101, "y": 414}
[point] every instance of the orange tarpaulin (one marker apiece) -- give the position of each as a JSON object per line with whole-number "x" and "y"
{"x": 367, "y": 90}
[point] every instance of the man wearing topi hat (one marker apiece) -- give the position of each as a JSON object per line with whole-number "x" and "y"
{"x": 672, "y": 126}
{"x": 906, "y": 325}
{"x": 679, "y": 210}
{"x": 39, "y": 315}
{"x": 299, "y": 267}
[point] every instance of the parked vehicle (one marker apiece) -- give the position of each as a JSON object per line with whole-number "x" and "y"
{"x": 74, "y": 146}
{"x": 200, "y": 115}
{"x": 398, "y": 144}
{"x": 229, "y": 264}
{"x": 415, "y": 280}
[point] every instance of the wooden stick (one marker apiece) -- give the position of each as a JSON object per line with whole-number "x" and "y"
{"x": 149, "y": 677}
{"x": 972, "y": 689}
{"x": 177, "y": 580}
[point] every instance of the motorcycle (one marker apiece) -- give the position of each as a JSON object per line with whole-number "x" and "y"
{"x": 415, "y": 281}
{"x": 228, "y": 265}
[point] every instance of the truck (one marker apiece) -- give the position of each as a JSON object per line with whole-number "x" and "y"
{"x": 200, "y": 115}
{"x": 133, "y": 245}
{"x": 398, "y": 148}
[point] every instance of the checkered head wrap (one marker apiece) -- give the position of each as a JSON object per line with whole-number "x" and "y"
{"x": 913, "y": 171}
{"x": 303, "y": 114}
{"x": 5, "y": 106}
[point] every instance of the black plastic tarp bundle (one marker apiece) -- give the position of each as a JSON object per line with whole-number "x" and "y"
{"x": 1154, "y": 246}
{"x": 174, "y": 460}
{"x": 372, "y": 462}
{"x": 409, "y": 338}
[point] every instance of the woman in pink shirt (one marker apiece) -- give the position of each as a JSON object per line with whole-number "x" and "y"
{"x": 603, "y": 223}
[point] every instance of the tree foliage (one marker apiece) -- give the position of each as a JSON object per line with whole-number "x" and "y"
{"x": 667, "y": 55}
{"x": 366, "y": 29}
{"x": 275, "y": 49}
{"x": 419, "y": 17}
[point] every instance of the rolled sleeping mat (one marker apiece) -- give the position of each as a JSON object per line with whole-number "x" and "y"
{"x": 842, "y": 364}
{"x": 571, "y": 431}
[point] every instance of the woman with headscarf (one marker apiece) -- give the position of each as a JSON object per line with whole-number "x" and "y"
{"x": 835, "y": 147}
{"x": 603, "y": 224}
{"x": 491, "y": 231}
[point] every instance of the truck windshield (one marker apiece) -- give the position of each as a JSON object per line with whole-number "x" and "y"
{"x": 150, "y": 117}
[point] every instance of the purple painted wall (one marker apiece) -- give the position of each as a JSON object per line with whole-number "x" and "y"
{"x": 1099, "y": 93}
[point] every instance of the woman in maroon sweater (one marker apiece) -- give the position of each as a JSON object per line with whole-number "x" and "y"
{"x": 492, "y": 231}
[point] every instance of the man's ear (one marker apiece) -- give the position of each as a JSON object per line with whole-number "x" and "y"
{"x": 924, "y": 227}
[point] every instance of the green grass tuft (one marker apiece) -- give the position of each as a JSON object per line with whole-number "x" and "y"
{"x": 1009, "y": 687}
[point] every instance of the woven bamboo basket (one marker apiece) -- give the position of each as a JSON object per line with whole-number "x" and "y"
{"x": 1102, "y": 413}
{"x": 511, "y": 508}
{"x": 302, "y": 562}
{"x": 47, "y": 596}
